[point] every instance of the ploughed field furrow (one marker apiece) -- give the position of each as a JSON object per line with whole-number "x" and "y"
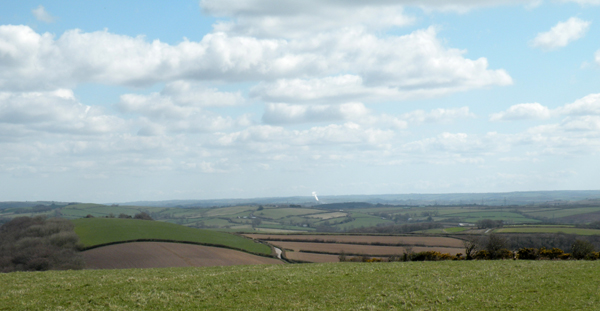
{"x": 163, "y": 255}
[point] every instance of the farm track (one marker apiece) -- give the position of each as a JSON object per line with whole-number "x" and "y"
{"x": 163, "y": 255}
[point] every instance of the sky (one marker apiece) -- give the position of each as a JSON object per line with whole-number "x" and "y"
{"x": 114, "y": 101}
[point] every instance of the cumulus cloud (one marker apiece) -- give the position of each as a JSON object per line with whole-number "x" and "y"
{"x": 584, "y": 2}
{"x": 289, "y": 114}
{"x": 265, "y": 138}
{"x": 522, "y": 112}
{"x": 288, "y": 18}
{"x": 56, "y": 111}
{"x": 414, "y": 65}
{"x": 588, "y": 105}
{"x": 561, "y": 34}
{"x": 161, "y": 113}
{"x": 32, "y": 61}
{"x": 403, "y": 65}
{"x": 41, "y": 14}
{"x": 439, "y": 115}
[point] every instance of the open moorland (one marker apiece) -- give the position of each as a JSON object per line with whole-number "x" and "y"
{"x": 445, "y": 285}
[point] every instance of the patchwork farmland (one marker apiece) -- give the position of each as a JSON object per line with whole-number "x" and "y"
{"x": 327, "y": 248}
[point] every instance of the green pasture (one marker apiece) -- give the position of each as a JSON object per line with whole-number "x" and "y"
{"x": 363, "y": 220}
{"x": 443, "y": 285}
{"x": 494, "y": 215}
{"x": 564, "y": 212}
{"x": 553, "y": 229}
{"x": 278, "y": 213}
{"x": 95, "y": 231}
{"x": 224, "y": 211}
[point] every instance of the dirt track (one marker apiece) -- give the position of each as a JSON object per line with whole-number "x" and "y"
{"x": 163, "y": 255}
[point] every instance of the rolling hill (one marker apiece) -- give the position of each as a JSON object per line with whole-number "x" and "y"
{"x": 103, "y": 231}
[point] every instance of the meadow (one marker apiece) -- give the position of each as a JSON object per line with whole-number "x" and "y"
{"x": 446, "y": 285}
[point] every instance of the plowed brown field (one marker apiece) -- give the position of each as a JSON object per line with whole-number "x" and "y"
{"x": 336, "y": 248}
{"x": 367, "y": 239}
{"x": 163, "y": 255}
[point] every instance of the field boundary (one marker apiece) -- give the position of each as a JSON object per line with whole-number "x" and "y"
{"x": 348, "y": 242}
{"x": 182, "y": 242}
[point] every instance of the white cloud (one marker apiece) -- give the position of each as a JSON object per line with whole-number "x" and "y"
{"x": 522, "y": 112}
{"x": 584, "y": 2}
{"x": 56, "y": 112}
{"x": 328, "y": 89}
{"x": 288, "y": 114}
{"x": 159, "y": 114}
{"x": 267, "y": 138}
{"x": 41, "y": 14}
{"x": 561, "y": 34}
{"x": 439, "y": 115}
{"x": 288, "y": 18}
{"x": 588, "y": 105}
{"x": 410, "y": 65}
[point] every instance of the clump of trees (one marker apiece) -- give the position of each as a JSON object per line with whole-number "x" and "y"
{"x": 39, "y": 243}
{"x": 489, "y": 223}
{"x": 142, "y": 216}
{"x": 405, "y": 228}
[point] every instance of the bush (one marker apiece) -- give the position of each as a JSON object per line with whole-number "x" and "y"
{"x": 528, "y": 253}
{"x": 143, "y": 216}
{"x": 581, "y": 249}
{"x": 482, "y": 255}
{"x": 553, "y": 253}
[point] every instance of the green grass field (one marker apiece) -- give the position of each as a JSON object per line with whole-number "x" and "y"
{"x": 557, "y": 213}
{"x": 446, "y": 285}
{"x": 567, "y": 230}
{"x": 96, "y": 231}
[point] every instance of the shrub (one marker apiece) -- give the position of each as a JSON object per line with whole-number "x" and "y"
{"x": 529, "y": 253}
{"x": 580, "y": 249}
{"x": 565, "y": 256}
{"x": 143, "y": 216}
{"x": 482, "y": 255}
{"x": 553, "y": 253}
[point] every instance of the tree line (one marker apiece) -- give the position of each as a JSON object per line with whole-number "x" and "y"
{"x": 37, "y": 244}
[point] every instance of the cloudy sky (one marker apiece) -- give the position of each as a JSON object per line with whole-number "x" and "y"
{"x": 107, "y": 101}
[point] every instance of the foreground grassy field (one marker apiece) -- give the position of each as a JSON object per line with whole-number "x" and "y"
{"x": 479, "y": 285}
{"x": 96, "y": 231}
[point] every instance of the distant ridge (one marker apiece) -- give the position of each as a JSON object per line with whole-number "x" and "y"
{"x": 412, "y": 199}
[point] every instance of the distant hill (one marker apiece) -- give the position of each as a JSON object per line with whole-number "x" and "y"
{"x": 412, "y": 199}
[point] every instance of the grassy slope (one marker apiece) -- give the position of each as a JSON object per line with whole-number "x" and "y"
{"x": 479, "y": 285}
{"x": 95, "y": 231}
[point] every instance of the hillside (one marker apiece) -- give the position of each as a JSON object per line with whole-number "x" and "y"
{"x": 98, "y": 231}
{"x": 448, "y": 285}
